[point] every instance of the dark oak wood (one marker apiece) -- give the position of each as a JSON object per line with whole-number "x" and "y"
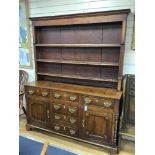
{"x": 78, "y": 62}
{"x": 78, "y": 68}
{"x": 77, "y": 45}
{"x": 78, "y": 77}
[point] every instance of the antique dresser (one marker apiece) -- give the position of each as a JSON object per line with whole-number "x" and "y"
{"x": 78, "y": 66}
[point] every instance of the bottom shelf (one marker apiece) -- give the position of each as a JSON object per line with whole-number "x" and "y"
{"x": 128, "y": 132}
{"x": 78, "y": 77}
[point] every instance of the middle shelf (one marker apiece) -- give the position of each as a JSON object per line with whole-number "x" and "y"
{"x": 78, "y": 77}
{"x": 78, "y": 62}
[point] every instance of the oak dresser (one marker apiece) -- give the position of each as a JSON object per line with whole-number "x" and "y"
{"x": 78, "y": 66}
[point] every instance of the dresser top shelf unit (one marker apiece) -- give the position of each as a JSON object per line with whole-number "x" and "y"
{"x": 84, "y": 49}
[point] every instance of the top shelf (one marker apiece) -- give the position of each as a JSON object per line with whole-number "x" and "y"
{"x": 77, "y": 45}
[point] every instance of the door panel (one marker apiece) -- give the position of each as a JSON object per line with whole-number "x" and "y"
{"x": 97, "y": 125}
{"x": 38, "y": 112}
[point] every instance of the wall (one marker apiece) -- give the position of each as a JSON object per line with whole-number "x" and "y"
{"x": 40, "y": 8}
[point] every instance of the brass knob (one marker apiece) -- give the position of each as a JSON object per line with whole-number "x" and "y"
{"x": 87, "y": 100}
{"x": 57, "y": 117}
{"x": 57, "y": 128}
{"x": 44, "y": 93}
{"x": 72, "y": 120}
{"x": 57, "y": 107}
{"x": 72, "y": 110}
{"x": 73, "y": 98}
{"x": 107, "y": 103}
{"x": 31, "y": 91}
{"x": 56, "y": 95}
{"x": 72, "y": 132}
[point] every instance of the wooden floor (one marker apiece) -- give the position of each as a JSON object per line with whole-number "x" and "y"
{"x": 127, "y": 148}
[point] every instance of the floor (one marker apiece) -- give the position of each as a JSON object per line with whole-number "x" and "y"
{"x": 127, "y": 147}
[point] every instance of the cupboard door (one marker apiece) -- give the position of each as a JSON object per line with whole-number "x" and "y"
{"x": 97, "y": 125}
{"x": 38, "y": 112}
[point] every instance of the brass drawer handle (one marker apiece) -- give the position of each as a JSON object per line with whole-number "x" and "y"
{"x": 56, "y": 95}
{"x": 73, "y": 98}
{"x": 71, "y": 110}
{"x": 107, "y": 103}
{"x": 57, "y": 107}
{"x": 72, "y": 132}
{"x": 72, "y": 120}
{"x": 44, "y": 93}
{"x": 57, "y": 128}
{"x": 31, "y": 91}
{"x": 87, "y": 100}
{"x": 57, "y": 117}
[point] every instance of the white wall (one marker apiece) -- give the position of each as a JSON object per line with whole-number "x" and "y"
{"x": 40, "y": 8}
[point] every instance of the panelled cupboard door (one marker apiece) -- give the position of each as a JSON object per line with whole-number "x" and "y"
{"x": 38, "y": 112}
{"x": 97, "y": 125}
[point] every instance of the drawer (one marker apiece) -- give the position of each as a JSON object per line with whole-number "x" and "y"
{"x": 63, "y": 102}
{"x": 58, "y": 128}
{"x": 73, "y": 111}
{"x": 57, "y": 118}
{"x": 72, "y": 121}
{"x": 65, "y": 96}
{"x": 93, "y": 100}
{"x": 72, "y": 131}
{"x": 38, "y": 91}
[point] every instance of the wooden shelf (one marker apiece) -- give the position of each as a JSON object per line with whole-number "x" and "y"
{"x": 78, "y": 62}
{"x": 78, "y": 77}
{"x": 77, "y": 45}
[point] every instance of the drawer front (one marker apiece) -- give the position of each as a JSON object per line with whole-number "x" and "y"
{"x": 38, "y": 91}
{"x": 73, "y": 111}
{"x": 72, "y": 131}
{"x": 93, "y": 100}
{"x": 58, "y": 128}
{"x": 57, "y": 118}
{"x": 65, "y": 96}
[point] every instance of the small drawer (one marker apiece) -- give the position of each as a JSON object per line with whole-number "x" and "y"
{"x": 72, "y": 131}
{"x": 65, "y": 96}
{"x": 70, "y": 96}
{"x": 59, "y": 128}
{"x": 57, "y": 118}
{"x": 72, "y": 110}
{"x": 93, "y": 100}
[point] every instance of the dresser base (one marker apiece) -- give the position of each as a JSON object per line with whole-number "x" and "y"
{"x": 112, "y": 150}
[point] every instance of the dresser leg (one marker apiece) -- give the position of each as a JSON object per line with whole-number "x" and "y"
{"x": 28, "y": 128}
